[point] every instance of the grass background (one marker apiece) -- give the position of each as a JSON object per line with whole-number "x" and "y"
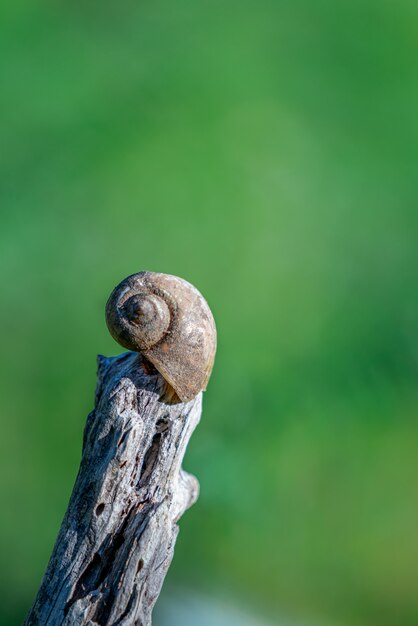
{"x": 267, "y": 152}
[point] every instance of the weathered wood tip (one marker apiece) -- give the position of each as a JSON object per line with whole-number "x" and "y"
{"x": 117, "y": 538}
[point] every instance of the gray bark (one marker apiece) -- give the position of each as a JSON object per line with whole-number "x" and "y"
{"x": 117, "y": 538}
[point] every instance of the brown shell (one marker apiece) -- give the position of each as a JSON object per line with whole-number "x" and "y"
{"x": 166, "y": 319}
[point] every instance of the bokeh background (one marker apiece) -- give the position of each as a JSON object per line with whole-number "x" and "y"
{"x": 265, "y": 150}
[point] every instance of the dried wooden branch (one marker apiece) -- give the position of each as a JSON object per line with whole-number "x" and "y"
{"x": 117, "y": 538}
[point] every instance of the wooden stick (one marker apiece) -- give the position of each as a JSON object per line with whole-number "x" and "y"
{"x": 117, "y": 539}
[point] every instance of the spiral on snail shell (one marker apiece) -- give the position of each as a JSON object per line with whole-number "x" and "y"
{"x": 168, "y": 320}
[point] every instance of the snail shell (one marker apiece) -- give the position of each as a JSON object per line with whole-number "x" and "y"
{"x": 166, "y": 319}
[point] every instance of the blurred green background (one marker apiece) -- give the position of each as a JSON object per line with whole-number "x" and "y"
{"x": 267, "y": 152}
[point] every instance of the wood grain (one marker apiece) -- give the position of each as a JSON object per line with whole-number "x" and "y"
{"x": 117, "y": 539}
